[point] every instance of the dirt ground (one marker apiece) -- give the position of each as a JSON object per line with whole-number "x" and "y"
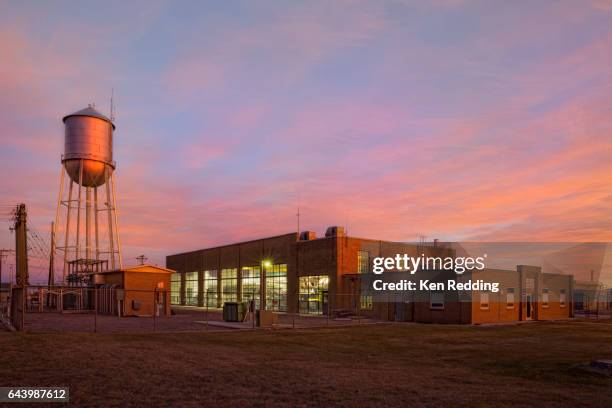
{"x": 185, "y": 319}
{"x": 534, "y": 364}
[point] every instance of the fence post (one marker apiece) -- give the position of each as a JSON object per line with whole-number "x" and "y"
{"x": 206, "y": 301}
{"x": 356, "y": 300}
{"x": 95, "y": 310}
{"x": 154, "y": 310}
{"x": 24, "y": 303}
{"x": 328, "y": 311}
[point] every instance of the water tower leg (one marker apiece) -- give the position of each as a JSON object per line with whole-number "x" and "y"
{"x": 78, "y": 226}
{"x": 67, "y": 234}
{"x": 109, "y": 209}
{"x": 88, "y": 222}
{"x": 116, "y": 222}
{"x": 57, "y": 214}
{"x": 96, "y": 225}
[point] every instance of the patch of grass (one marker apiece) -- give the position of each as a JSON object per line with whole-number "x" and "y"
{"x": 430, "y": 365}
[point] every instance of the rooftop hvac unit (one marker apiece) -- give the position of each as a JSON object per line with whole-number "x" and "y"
{"x": 307, "y": 235}
{"x": 334, "y": 231}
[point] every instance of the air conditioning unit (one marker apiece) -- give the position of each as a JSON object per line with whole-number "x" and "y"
{"x": 334, "y": 231}
{"x": 307, "y": 235}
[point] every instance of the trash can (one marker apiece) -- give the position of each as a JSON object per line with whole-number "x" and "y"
{"x": 234, "y": 311}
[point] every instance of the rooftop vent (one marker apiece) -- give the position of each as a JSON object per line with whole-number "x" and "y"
{"x": 307, "y": 235}
{"x": 334, "y": 231}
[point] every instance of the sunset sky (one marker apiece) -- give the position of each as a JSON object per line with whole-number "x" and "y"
{"x": 456, "y": 120}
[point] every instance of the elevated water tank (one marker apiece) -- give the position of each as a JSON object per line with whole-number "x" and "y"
{"x": 88, "y": 137}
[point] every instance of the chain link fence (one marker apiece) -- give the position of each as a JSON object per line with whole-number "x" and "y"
{"x": 108, "y": 309}
{"x": 103, "y": 309}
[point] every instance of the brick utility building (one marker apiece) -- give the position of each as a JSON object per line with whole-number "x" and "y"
{"x": 295, "y": 273}
{"x": 524, "y": 294}
{"x": 300, "y": 273}
{"x": 134, "y": 291}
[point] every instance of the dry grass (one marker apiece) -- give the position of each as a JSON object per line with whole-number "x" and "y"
{"x": 382, "y": 365}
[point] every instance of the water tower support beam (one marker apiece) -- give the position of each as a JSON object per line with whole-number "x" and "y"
{"x": 110, "y": 218}
{"x": 116, "y": 221}
{"x": 57, "y": 215}
{"x": 88, "y": 222}
{"x": 96, "y": 225}
{"x": 67, "y": 233}
{"x": 79, "y": 203}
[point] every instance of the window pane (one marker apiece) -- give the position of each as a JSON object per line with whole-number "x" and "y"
{"x": 210, "y": 288}
{"x": 484, "y": 301}
{"x": 175, "y": 288}
{"x": 251, "y": 283}
{"x": 363, "y": 261}
{"x": 436, "y": 300}
{"x": 313, "y": 294}
{"x": 562, "y": 298}
{"x": 510, "y": 298}
{"x": 276, "y": 287}
{"x": 365, "y": 302}
{"x": 191, "y": 288}
{"x": 229, "y": 285}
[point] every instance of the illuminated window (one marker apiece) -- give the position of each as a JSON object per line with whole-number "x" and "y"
{"x": 363, "y": 262}
{"x": 436, "y": 300}
{"x": 484, "y": 300}
{"x": 544, "y": 297}
{"x": 251, "y": 284}
{"x": 276, "y": 287}
{"x": 229, "y": 285}
{"x": 210, "y": 288}
{"x": 562, "y": 298}
{"x": 314, "y": 294}
{"x": 191, "y": 288}
{"x": 365, "y": 302}
{"x": 510, "y": 298}
{"x": 175, "y": 288}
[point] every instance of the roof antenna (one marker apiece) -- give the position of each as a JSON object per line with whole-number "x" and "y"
{"x": 142, "y": 259}
{"x": 112, "y": 105}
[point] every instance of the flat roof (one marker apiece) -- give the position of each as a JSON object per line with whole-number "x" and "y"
{"x": 234, "y": 243}
{"x": 299, "y": 241}
{"x": 139, "y": 268}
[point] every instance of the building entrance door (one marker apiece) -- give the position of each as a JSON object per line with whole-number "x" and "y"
{"x": 529, "y": 307}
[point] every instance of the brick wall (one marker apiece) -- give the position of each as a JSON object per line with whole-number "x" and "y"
{"x": 141, "y": 286}
{"x": 498, "y": 310}
{"x": 554, "y": 308}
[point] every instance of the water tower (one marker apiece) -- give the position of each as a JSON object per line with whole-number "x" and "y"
{"x": 86, "y": 229}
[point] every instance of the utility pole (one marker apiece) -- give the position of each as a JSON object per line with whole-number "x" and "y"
{"x": 18, "y": 304}
{"x": 21, "y": 246}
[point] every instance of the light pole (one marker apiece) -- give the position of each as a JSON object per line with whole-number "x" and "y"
{"x": 265, "y": 263}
